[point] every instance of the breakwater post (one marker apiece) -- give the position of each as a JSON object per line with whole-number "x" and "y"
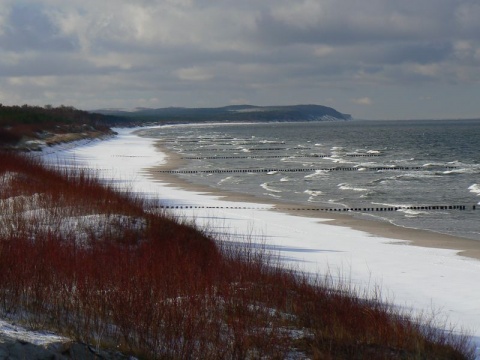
{"x": 329, "y": 209}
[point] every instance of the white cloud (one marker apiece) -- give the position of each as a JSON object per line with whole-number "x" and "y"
{"x": 4, "y": 12}
{"x": 363, "y": 101}
{"x": 11, "y": 58}
{"x": 239, "y": 101}
{"x": 114, "y": 60}
{"x": 153, "y": 24}
{"x": 194, "y": 74}
{"x": 323, "y": 50}
{"x": 301, "y": 14}
{"x": 463, "y": 49}
{"x": 37, "y": 81}
{"x": 467, "y": 17}
{"x": 430, "y": 70}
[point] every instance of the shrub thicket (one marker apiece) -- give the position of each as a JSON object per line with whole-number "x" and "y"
{"x": 108, "y": 268}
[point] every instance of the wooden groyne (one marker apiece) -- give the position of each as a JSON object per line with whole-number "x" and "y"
{"x": 273, "y": 156}
{"x": 329, "y": 209}
{"x": 251, "y": 149}
{"x": 287, "y": 170}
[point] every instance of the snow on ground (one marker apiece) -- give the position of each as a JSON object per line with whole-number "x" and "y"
{"x": 422, "y": 279}
{"x": 11, "y": 331}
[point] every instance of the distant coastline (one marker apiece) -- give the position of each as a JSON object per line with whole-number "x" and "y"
{"x": 234, "y": 113}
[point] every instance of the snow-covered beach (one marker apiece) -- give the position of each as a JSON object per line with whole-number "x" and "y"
{"x": 424, "y": 279}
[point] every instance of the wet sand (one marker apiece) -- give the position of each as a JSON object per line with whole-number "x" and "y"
{"x": 466, "y": 247}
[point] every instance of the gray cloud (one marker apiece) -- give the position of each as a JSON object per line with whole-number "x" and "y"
{"x": 28, "y": 28}
{"x": 354, "y": 22}
{"x": 104, "y": 53}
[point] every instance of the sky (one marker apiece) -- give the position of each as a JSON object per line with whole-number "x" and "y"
{"x": 374, "y": 59}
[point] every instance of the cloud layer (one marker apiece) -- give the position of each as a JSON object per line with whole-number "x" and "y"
{"x": 374, "y": 58}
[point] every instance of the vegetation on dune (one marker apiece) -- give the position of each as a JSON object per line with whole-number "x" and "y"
{"x": 108, "y": 268}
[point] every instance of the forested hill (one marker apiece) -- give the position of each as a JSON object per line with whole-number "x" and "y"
{"x": 29, "y": 127}
{"x": 232, "y": 113}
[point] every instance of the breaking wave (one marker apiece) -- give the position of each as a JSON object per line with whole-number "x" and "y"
{"x": 345, "y": 186}
{"x": 269, "y": 188}
{"x": 475, "y": 189}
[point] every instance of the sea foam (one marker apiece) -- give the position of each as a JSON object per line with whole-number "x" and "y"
{"x": 475, "y": 188}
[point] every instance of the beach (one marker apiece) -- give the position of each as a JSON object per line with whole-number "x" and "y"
{"x": 465, "y": 247}
{"x": 417, "y": 270}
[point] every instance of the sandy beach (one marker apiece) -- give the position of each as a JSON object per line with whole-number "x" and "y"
{"x": 422, "y": 272}
{"x": 415, "y": 237}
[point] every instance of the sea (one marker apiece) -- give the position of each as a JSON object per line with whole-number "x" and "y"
{"x": 422, "y": 174}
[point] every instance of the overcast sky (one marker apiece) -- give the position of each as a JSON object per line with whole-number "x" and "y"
{"x": 373, "y": 59}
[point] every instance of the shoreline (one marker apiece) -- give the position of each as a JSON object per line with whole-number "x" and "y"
{"x": 416, "y": 278}
{"x": 129, "y": 155}
{"x": 374, "y": 227}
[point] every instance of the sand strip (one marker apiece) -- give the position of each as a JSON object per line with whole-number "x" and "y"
{"x": 465, "y": 247}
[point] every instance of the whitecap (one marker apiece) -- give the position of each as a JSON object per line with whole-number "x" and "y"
{"x": 272, "y": 142}
{"x": 368, "y": 195}
{"x": 373, "y": 152}
{"x": 345, "y": 186}
{"x": 317, "y": 173}
{"x": 412, "y": 213}
{"x": 313, "y": 193}
{"x": 416, "y": 176}
{"x": 337, "y": 159}
{"x": 475, "y": 188}
{"x": 459, "y": 171}
{"x": 272, "y": 172}
{"x": 433, "y": 165}
{"x": 400, "y": 206}
{"x": 267, "y": 187}
{"x": 224, "y": 180}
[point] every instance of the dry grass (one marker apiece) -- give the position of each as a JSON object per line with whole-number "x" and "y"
{"x": 102, "y": 266}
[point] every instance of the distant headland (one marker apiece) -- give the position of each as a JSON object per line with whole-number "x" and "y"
{"x": 232, "y": 113}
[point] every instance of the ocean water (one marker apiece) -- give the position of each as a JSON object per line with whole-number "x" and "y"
{"x": 420, "y": 168}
